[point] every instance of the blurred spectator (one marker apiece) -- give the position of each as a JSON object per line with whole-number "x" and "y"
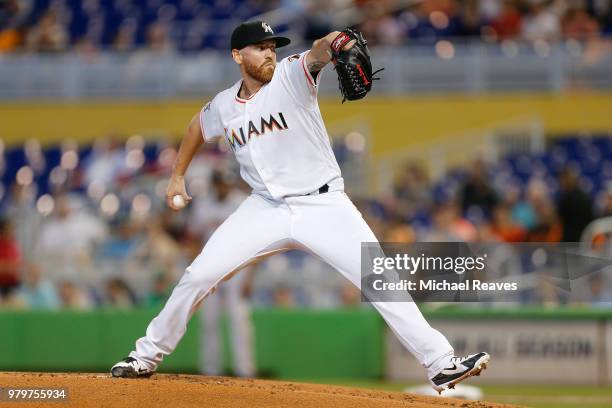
{"x": 548, "y": 227}
{"x": 521, "y": 212}
{"x": 125, "y": 38}
{"x": 449, "y": 226}
{"x": 86, "y": 48}
{"x": 379, "y": 26}
{"x": 524, "y": 211}
{"x": 349, "y": 295}
{"x": 411, "y": 191}
{"x": 470, "y": 19}
{"x": 11, "y": 260}
{"x": 201, "y": 169}
{"x": 162, "y": 288}
{"x": 318, "y": 19}
{"x": 283, "y": 297}
{"x": 212, "y": 209}
{"x": 575, "y": 207}
{"x": 375, "y": 214}
{"x": 448, "y": 7}
{"x": 477, "y": 195}
{"x": 158, "y": 38}
{"x": 103, "y": 167}
{"x": 21, "y": 208}
{"x": 600, "y": 293}
{"x": 605, "y": 206}
{"x": 118, "y": 294}
{"x": 175, "y": 224}
{"x": 508, "y": 23}
{"x": 579, "y": 25}
{"x": 67, "y": 240}
{"x": 123, "y": 242}
{"x": 504, "y": 227}
{"x": 11, "y": 27}
{"x": 541, "y": 22}
{"x": 547, "y": 294}
{"x": 38, "y": 292}
{"x": 10, "y": 39}
{"x": 601, "y": 242}
{"x": 159, "y": 250}
{"x": 73, "y": 297}
{"x": 48, "y": 35}
{"x": 399, "y": 231}
{"x": 433, "y": 19}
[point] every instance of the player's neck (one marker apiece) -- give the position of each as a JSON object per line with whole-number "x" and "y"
{"x": 249, "y": 87}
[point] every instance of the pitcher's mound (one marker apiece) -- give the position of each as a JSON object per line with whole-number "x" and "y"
{"x": 177, "y": 391}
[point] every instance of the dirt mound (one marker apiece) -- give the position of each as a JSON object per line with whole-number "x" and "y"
{"x": 174, "y": 391}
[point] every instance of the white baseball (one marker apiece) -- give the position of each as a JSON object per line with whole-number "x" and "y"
{"x": 178, "y": 201}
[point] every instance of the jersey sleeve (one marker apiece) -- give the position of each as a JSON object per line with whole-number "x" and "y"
{"x": 210, "y": 121}
{"x": 298, "y": 80}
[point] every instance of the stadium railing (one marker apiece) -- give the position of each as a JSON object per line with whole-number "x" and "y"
{"x": 440, "y": 66}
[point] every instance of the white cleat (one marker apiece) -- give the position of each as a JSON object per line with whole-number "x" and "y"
{"x": 460, "y": 369}
{"x": 129, "y": 367}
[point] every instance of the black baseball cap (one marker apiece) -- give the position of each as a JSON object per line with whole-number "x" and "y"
{"x": 253, "y": 32}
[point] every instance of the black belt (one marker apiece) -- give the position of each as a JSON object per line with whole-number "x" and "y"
{"x": 323, "y": 189}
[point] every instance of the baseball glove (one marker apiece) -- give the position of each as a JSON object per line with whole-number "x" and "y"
{"x": 353, "y": 66}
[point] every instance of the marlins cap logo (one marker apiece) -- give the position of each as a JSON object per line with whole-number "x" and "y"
{"x": 267, "y": 28}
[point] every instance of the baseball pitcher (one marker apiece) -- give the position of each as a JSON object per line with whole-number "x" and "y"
{"x": 272, "y": 121}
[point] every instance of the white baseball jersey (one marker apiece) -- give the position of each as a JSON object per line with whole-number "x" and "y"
{"x": 277, "y": 135}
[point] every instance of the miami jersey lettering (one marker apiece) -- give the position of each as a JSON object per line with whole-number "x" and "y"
{"x": 237, "y": 139}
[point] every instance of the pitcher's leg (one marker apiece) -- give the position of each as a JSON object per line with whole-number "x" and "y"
{"x": 231, "y": 247}
{"x": 330, "y": 226}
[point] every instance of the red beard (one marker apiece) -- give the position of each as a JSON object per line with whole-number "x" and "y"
{"x": 262, "y": 73}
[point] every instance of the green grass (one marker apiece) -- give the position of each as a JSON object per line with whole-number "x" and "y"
{"x": 534, "y": 396}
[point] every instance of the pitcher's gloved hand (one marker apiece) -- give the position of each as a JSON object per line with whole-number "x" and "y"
{"x": 353, "y": 65}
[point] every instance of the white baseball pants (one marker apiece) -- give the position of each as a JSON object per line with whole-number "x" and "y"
{"x": 329, "y": 226}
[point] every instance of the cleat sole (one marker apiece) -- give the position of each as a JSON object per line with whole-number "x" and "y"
{"x": 474, "y": 372}
{"x": 122, "y": 372}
